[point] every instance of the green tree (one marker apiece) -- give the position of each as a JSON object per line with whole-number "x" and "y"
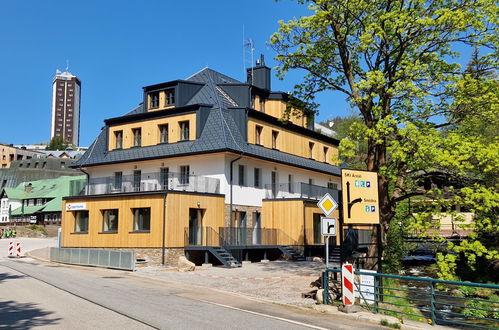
{"x": 397, "y": 63}
{"x": 57, "y": 143}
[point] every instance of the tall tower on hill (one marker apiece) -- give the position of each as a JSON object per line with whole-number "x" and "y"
{"x": 66, "y": 107}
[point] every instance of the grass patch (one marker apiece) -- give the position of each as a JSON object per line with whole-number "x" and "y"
{"x": 38, "y": 229}
{"x": 399, "y": 306}
{"x": 389, "y": 324}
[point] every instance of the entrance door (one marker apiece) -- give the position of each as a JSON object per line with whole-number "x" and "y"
{"x": 195, "y": 227}
{"x": 317, "y": 228}
{"x": 257, "y": 228}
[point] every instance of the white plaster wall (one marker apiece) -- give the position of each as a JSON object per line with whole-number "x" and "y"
{"x": 4, "y": 211}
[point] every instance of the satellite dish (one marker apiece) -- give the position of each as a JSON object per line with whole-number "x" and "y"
{"x": 331, "y": 124}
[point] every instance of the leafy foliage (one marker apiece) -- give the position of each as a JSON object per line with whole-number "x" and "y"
{"x": 57, "y": 143}
{"x": 429, "y": 125}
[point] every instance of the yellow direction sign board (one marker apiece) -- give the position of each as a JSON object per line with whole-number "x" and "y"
{"x": 327, "y": 204}
{"x": 360, "y": 196}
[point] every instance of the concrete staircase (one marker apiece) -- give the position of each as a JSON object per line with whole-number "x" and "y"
{"x": 290, "y": 252}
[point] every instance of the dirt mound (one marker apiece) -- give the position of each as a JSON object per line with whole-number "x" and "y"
{"x": 31, "y": 231}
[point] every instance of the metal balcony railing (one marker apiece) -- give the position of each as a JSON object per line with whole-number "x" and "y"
{"x": 151, "y": 182}
{"x": 298, "y": 190}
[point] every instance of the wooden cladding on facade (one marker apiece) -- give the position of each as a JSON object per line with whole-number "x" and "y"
{"x": 295, "y": 219}
{"x": 152, "y": 131}
{"x": 276, "y": 108}
{"x": 177, "y": 219}
{"x": 276, "y": 137}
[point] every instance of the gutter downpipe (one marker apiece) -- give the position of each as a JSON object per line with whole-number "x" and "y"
{"x": 164, "y": 230}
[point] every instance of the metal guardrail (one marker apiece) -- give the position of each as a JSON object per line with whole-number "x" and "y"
{"x": 153, "y": 181}
{"x": 92, "y": 257}
{"x": 298, "y": 190}
{"x": 462, "y": 304}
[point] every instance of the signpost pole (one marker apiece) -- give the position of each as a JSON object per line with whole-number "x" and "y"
{"x": 327, "y": 252}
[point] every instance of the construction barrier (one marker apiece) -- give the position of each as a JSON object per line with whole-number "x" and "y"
{"x": 11, "y": 249}
{"x": 347, "y": 284}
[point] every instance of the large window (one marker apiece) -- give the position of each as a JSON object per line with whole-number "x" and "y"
{"x": 118, "y": 137}
{"x": 258, "y": 134}
{"x": 258, "y": 177}
{"x": 142, "y": 219}
{"x": 184, "y": 130}
{"x": 184, "y": 174}
{"x": 326, "y": 149}
{"x": 110, "y": 220}
{"x": 164, "y": 176}
{"x": 242, "y": 175}
{"x": 136, "y": 180}
{"x": 137, "y": 137}
{"x": 275, "y": 134}
{"x": 311, "y": 150}
{"x": 291, "y": 184}
{"x": 154, "y": 100}
{"x": 170, "y": 97}
{"x": 163, "y": 133}
{"x": 118, "y": 180}
{"x": 81, "y": 221}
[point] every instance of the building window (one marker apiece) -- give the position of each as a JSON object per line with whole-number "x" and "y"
{"x": 291, "y": 188}
{"x": 242, "y": 176}
{"x": 63, "y": 164}
{"x": 142, "y": 219}
{"x": 273, "y": 184}
{"x": 184, "y": 130}
{"x": 258, "y": 134}
{"x": 310, "y": 181}
{"x": 137, "y": 137}
{"x": 153, "y": 100}
{"x": 262, "y": 104}
{"x": 258, "y": 177}
{"x": 275, "y": 134}
{"x": 169, "y": 97}
{"x": 110, "y": 220}
{"x": 326, "y": 149}
{"x": 136, "y": 180}
{"x": 310, "y": 150}
{"x": 39, "y": 201}
{"x": 81, "y": 221}
{"x": 164, "y": 176}
{"x": 118, "y": 137}
{"x": 118, "y": 180}
{"x": 163, "y": 133}
{"x": 332, "y": 185}
{"x": 184, "y": 174}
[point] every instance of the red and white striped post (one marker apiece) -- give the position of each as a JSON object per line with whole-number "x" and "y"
{"x": 11, "y": 249}
{"x": 347, "y": 284}
{"x": 18, "y": 249}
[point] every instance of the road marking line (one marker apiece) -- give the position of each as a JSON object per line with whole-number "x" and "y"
{"x": 264, "y": 315}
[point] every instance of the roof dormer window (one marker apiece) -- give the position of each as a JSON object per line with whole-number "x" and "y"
{"x": 153, "y": 100}
{"x": 169, "y": 97}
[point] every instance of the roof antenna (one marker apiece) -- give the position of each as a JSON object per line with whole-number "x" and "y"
{"x": 67, "y": 65}
{"x": 248, "y": 47}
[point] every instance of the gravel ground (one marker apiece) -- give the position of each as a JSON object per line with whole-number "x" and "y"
{"x": 277, "y": 281}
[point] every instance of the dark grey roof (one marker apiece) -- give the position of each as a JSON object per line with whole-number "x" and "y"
{"x": 223, "y": 129}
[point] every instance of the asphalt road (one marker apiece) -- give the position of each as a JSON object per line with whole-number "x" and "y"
{"x": 34, "y": 294}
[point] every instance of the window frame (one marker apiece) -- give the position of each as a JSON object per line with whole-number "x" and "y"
{"x": 258, "y": 134}
{"x": 154, "y": 100}
{"x": 184, "y": 128}
{"x": 184, "y": 176}
{"x": 241, "y": 177}
{"x": 136, "y": 220}
{"x": 106, "y": 213}
{"x": 77, "y": 225}
{"x": 275, "y": 135}
{"x": 137, "y": 142}
{"x": 118, "y": 137}
{"x": 163, "y": 133}
{"x": 257, "y": 177}
{"x": 311, "y": 146}
{"x": 118, "y": 181}
{"x": 169, "y": 97}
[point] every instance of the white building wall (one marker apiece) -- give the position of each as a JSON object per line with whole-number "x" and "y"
{"x": 5, "y": 203}
{"x": 218, "y": 166}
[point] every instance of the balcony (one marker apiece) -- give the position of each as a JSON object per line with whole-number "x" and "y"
{"x": 298, "y": 190}
{"x": 155, "y": 181}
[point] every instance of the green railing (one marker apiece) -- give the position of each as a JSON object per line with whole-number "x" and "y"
{"x": 423, "y": 299}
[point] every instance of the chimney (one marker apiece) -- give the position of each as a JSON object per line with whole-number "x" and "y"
{"x": 259, "y": 75}
{"x": 28, "y": 188}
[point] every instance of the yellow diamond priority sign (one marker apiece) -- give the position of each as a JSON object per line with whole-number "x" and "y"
{"x": 327, "y": 204}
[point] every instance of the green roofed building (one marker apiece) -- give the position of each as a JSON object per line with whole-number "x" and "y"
{"x": 38, "y": 201}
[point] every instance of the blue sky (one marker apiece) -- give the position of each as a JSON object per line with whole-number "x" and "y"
{"x": 117, "y": 47}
